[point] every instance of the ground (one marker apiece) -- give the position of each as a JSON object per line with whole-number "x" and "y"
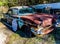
{"x": 9, "y": 37}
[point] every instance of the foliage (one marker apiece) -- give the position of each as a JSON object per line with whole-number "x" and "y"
{"x": 25, "y": 2}
{"x": 3, "y": 3}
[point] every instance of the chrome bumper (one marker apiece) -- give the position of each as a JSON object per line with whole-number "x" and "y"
{"x": 38, "y": 31}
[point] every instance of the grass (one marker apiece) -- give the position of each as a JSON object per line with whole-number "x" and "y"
{"x": 16, "y": 39}
{"x": 13, "y": 37}
{"x": 1, "y": 16}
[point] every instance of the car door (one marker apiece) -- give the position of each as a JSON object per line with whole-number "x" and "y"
{"x": 8, "y": 16}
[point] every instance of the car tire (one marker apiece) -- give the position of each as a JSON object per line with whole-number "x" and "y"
{"x": 26, "y": 30}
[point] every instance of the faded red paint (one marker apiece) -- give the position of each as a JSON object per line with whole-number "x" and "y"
{"x": 46, "y": 19}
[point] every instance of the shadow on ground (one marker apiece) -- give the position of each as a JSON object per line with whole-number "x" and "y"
{"x": 21, "y": 33}
{"x": 56, "y": 35}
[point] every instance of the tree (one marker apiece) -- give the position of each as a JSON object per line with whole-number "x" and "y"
{"x": 3, "y": 3}
{"x": 24, "y": 2}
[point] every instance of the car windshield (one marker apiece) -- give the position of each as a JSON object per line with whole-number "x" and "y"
{"x": 26, "y": 10}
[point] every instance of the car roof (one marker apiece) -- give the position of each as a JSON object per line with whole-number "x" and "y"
{"x": 51, "y": 5}
{"x": 19, "y": 7}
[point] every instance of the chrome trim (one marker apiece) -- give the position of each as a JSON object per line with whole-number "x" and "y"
{"x": 38, "y": 31}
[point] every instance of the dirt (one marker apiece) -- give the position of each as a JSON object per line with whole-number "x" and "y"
{"x": 10, "y": 37}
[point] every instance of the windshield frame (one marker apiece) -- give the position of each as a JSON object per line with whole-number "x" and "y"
{"x": 26, "y": 10}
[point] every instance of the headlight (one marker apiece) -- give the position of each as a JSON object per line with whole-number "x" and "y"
{"x": 57, "y": 24}
{"x": 38, "y": 31}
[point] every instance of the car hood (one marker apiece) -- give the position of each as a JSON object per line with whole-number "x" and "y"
{"x": 39, "y": 18}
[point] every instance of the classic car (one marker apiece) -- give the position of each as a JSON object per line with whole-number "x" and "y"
{"x": 30, "y": 21}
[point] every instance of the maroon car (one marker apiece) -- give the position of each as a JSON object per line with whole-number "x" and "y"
{"x": 30, "y": 21}
{"x": 40, "y": 23}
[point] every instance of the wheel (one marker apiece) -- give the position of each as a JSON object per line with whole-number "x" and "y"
{"x": 26, "y": 30}
{"x": 14, "y": 25}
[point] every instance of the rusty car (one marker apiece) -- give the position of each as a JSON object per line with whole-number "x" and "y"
{"x": 29, "y": 21}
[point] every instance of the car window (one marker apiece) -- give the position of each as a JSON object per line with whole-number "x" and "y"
{"x": 57, "y": 12}
{"x": 15, "y": 11}
{"x": 26, "y": 10}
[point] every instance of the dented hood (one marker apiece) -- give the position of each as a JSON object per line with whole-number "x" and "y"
{"x": 45, "y": 19}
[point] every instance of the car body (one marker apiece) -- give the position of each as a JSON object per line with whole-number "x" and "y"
{"x": 29, "y": 21}
{"x": 17, "y": 11}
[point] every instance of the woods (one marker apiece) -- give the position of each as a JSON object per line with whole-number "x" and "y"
{"x": 25, "y": 2}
